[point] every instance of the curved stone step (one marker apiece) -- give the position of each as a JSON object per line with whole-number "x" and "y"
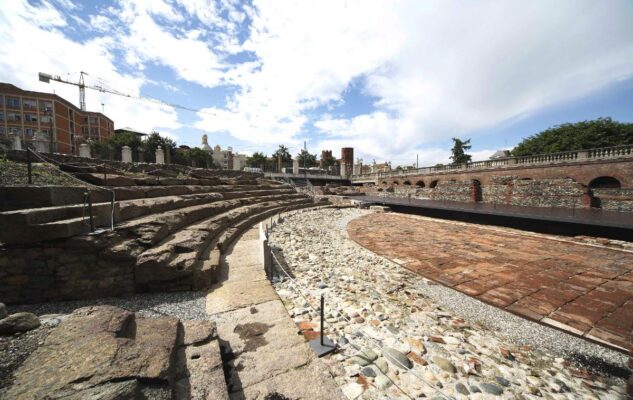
{"x": 185, "y": 259}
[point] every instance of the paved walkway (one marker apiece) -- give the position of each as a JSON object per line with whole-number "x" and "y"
{"x": 259, "y": 341}
{"x": 585, "y": 290}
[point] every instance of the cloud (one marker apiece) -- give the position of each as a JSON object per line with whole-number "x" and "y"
{"x": 27, "y": 49}
{"x": 438, "y": 68}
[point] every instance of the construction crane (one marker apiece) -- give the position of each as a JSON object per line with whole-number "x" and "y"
{"x": 47, "y": 78}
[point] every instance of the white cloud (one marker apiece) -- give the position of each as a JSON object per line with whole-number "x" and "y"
{"x": 27, "y": 50}
{"x": 439, "y": 68}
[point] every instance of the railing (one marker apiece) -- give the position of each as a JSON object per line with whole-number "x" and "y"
{"x": 552, "y": 158}
{"x": 307, "y": 176}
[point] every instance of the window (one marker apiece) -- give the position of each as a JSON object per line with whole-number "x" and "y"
{"x": 30, "y": 117}
{"x": 45, "y": 119}
{"x": 93, "y": 120}
{"x": 15, "y": 131}
{"x": 31, "y": 104}
{"x": 84, "y": 131}
{"x": 13, "y": 102}
{"x": 14, "y": 117}
{"x": 1, "y": 116}
{"x": 2, "y": 130}
{"x": 46, "y": 106}
{"x": 84, "y": 120}
{"x": 29, "y": 132}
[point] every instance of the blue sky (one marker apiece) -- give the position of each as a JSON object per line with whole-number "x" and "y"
{"x": 393, "y": 79}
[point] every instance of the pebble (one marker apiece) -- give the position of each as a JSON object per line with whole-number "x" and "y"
{"x": 399, "y": 316}
{"x": 382, "y": 382}
{"x": 352, "y": 390}
{"x": 491, "y": 388}
{"x": 444, "y": 364}
{"x": 397, "y": 358}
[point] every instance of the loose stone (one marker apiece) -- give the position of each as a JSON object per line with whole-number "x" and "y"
{"x": 491, "y": 388}
{"x": 397, "y": 358}
{"x": 444, "y": 364}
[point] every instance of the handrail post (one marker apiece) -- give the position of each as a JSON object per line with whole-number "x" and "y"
{"x": 28, "y": 166}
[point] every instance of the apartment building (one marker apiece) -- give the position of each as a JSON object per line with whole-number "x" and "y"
{"x": 34, "y": 116}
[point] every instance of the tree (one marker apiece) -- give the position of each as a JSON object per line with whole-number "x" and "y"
{"x": 283, "y": 152}
{"x": 458, "y": 151}
{"x": 601, "y": 132}
{"x": 306, "y": 159}
{"x": 125, "y": 139}
{"x": 155, "y": 140}
{"x": 257, "y": 160}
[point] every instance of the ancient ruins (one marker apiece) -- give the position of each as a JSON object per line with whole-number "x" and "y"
{"x": 127, "y": 280}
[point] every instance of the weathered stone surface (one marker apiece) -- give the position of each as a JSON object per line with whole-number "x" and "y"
{"x": 96, "y": 346}
{"x": 197, "y": 331}
{"x": 3, "y": 311}
{"x": 18, "y": 322}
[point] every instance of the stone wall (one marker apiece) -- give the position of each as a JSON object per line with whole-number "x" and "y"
{"x": 614, "y": 199}
{"x": 75, "y": 268}
{"x": 453, "y": 191}
{"x": 547, "y": 193}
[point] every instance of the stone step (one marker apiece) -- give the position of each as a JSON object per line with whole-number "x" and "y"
{"x": 186, "y": 259}
{"x": 199, "y": 374}
{"x": 30, "y": 196}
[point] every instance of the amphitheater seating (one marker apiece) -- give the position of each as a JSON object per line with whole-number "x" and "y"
{"x": 168, "y": 236}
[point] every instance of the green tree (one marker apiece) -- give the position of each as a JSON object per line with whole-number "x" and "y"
{"x": 601, "y": 132}
{"x": 125, "y": 139}
{"x": 257, "y": 160}
{"x": 153, "y": 141}
{"x": 283, "y": 152}
{"x": 458, "y": 151}
{"x": 306, "y": 159}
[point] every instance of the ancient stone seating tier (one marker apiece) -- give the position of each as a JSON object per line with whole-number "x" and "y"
{"x": 166, "y": 238}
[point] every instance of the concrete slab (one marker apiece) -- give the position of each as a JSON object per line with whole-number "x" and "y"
{"x": 313, "y": 380}
{"x": 231, "y": 295}
{"x": 263, "y": 342}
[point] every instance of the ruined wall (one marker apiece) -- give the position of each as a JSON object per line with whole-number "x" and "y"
{"x": 614, "y": 199}
{"x": 453, "y": 191}
{"x": 547, "y": 193}
{"x": 75, "y": 268}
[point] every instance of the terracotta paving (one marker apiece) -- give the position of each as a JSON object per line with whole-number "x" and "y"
{"x": 585, "y": 290}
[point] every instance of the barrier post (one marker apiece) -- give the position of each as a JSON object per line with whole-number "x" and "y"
{"x": 322, "y": 345}
{"x": 92, "y": 222}
{"x": 28, "y": 166}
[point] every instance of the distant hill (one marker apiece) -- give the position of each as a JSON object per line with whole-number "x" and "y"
{"x": 602, "y": 132}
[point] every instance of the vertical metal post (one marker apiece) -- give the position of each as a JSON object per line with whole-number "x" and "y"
{"x": 112, "y": 210}
{"x": 105, "y": 175}
{"x": 28, "y": 167}
{"x": 322, "y": 317}
{"x": 92, "y": 222}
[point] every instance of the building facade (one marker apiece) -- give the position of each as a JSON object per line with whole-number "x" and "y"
{"x": 48, "y": 118}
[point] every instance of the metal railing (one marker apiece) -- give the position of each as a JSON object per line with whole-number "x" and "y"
{"x": 537, "y": 159}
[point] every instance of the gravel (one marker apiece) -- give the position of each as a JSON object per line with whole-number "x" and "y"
{"x": 184, "y": 305}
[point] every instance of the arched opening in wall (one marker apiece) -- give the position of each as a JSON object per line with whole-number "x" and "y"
{"x": 602, "y": 184}
{"x": 380, "y": 189}
{"x": 476, "y": 190}
{"x": 433, "y": 184}
{"x": 384, "y": 182}
{"x": 395, "y": 183}
{"x": 407, "y": 183}
{"x": 525, "y": 179}
{"x": 605, "y": 182}
{"x": 420, "y": 184}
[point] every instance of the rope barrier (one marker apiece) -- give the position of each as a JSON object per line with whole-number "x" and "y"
{"x": 377, "y": 341}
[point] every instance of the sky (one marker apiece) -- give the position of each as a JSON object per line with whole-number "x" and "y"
{"x": 395, "y": 80}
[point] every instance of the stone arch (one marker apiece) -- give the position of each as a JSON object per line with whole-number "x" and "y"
{"x": 384, "y": 182}
{"x": 433, "y": 183}
{"x": 407, "y": 183}
{"x": 420, "y": 184}
{"x": 380, "y": 189}
{"x": 605, "y": 182}
{"x": 395, "y": 183}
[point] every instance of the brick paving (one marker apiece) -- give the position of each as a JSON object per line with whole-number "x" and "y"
{"x": 585, "y": 290}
